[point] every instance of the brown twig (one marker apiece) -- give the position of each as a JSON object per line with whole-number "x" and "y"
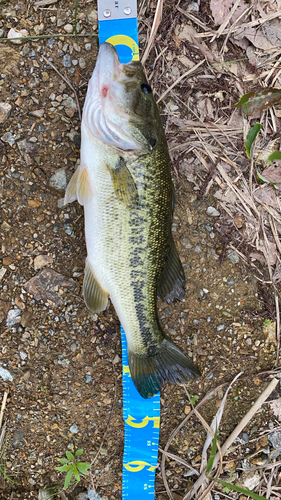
{"x": 3, "y": 406}
{"x": 155, "y": 26}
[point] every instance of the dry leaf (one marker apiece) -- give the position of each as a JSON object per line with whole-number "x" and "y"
{"x": 275, "y": 406}
{"x": 267, "y": 37}
{"x": 221, "y": 8}
{"x": 272, "y": 174}
{"x": 269, "y": 196}
{"x": 269, "y": 250}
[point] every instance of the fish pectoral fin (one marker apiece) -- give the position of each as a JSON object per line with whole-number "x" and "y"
{"x": 123, "y": 182}
{"x": 169, "y": 364}
{"x": 172, "y": 284}
{"x": 95, "y": 296}
{"x": 79, "y": 187}
{"x": 71, "y": 189}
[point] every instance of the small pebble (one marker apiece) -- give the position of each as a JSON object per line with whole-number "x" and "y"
{"x": 1, "y": 33}
{"x": 51, "y": 42}
{"x": 196, "y": 322}
{"x": 12, "y": 317}
{"x": 210, "y": 376}
{"x": 6, "y": 375}
{"x": 275, "y": 439}
{"x": 245, "y": 437}
{"x": 23, "y": 355}
{"x": 208, "y": 319}
{"x": 5, "y": 110}
{"x": 88, "y": 46}
{"x": 82, "y": 63}
{"x": 68, "y": 28}
{"x": 212, "y": 235}
{"x": 74, "y": 429}
{"x": 58, "y": 180}
{"x": 213, "y": 212}
{"x": 66, "y": 61}
{"x": 233, "y": 257}
{"x": 231, "y": 281}
{"x": 192, "y": 7}
{"x": 209, "y": 227}
{"x": 220, "y": 327}
{"x": 88, "y": 379}
{"x": 8, "y": 137}
{"x": 197, "y": 249}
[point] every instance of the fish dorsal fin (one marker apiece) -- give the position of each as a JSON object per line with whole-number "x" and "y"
{"x": 79, "y": 187}
{"x": 95, "y": 296}
{"x": 123, "y": 182}
{"x": 172, "y": 284}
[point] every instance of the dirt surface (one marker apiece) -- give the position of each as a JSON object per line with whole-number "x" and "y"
{"x": 63, "y": 364}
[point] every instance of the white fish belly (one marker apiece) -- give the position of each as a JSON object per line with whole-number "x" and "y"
{"x": 107, "y": 232}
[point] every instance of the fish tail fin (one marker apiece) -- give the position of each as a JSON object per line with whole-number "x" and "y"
{"x": 168, "y": 364}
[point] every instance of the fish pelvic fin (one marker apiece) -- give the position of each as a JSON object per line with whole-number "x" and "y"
{"x": 172, "y": 284}
{"x": 123, "y": 182}
{"x": 79, "y": 187}
{"x": 95, "y": 296}
{"x": 169, "y": 364}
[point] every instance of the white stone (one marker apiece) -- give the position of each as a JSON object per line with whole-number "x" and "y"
{"x": 42, "y": 261}
{"x": 213, "y": 212}
{"x": 5, "y": 110}
{"x": 68, "y": 28}
{"x": 13, "y": 33}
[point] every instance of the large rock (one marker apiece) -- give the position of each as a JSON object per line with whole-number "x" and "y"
{"x": 46, "y": 284}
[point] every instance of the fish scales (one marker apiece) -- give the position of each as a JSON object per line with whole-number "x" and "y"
{"x": 124, "y": 182}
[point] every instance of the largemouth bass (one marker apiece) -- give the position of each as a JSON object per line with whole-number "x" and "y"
{"x": 124, "y": 182}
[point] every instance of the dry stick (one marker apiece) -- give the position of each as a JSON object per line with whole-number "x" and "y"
{"x": 179, "y": 460}
{"x": 259, "y": 402}
{"x": 155, "y": 25}
{"x": 193, "y": 18}
{"x": 2, "y": 436}
{"x": 229, "y": 30}
{"x": 277, "y": 312}
{"x": 4, "y": 400}
{"x": 179, "y": 79}
{"x": 174, "y": 433}
{"x": 257, "y": 22}
{"x": 265, "y": 394}
{"x": 66, "y": 81}
{"x": 44, "y": 2}
{"x": 226, "y": 21}
{"x": 268, "y": 490}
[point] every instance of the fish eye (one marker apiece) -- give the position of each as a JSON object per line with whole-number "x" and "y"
{"x": 146, "y": 88}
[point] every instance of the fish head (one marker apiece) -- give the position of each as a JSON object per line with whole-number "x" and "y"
{"x": 120, "y": 109}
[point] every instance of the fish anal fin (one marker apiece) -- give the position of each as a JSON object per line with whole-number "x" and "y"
{"x": 172, "y": 284}
{"x": 95, "y": 296}
{"x": 169, "y": 364}
{"x": 123, "y": 182}
{"x": 79, "y": 187}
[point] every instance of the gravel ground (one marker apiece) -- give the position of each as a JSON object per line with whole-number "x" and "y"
{"x": 60, "y": 364}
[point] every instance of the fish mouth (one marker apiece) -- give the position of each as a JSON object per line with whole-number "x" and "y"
{"x": 108, "y": 66}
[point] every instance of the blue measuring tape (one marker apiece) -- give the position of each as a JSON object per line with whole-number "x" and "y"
{"x": 118, "y": 26}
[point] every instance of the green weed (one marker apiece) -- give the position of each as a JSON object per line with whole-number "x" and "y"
{"x": 73, "y": 468}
